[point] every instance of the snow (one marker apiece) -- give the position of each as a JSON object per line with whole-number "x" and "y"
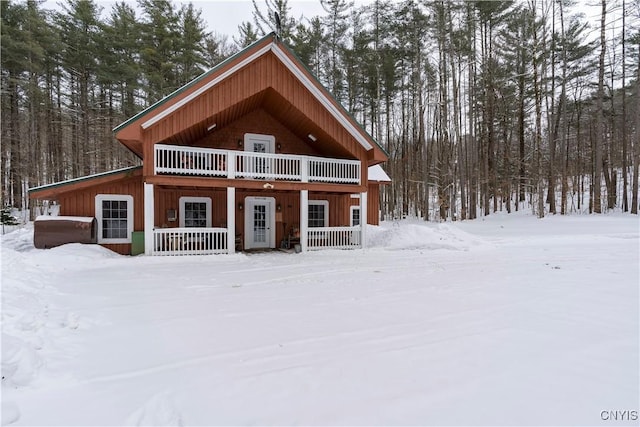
{"x": 65, "y": 218}
{"x": 509, "y": 320}
{"x": 376, "y": 173}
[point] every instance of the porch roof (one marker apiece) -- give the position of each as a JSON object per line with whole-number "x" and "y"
{"x": 51, "y": 191}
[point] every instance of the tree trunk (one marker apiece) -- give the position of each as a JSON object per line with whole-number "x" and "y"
{"x": 625, "y": 178}
{"x": 15, "y": 166}
{"x": 538, "y": 119}
{"x": 597, "y": 146}
{"x": 636, "y": 156}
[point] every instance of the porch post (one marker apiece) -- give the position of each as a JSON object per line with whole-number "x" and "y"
{"x": 304, "y": 218}
{"x": 149, "y": 215}
{"x": 304, "y": 169}
{"x": 363, "y": 219}
{"x": 231, "y": 219}
{"x": 231, "y": 165}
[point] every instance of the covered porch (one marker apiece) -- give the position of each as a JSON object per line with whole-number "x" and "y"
{"x": 182, "y": 220}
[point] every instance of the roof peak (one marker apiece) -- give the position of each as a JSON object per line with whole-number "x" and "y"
{"x": 182, "y": 88}
{"x": 269, "y": 43}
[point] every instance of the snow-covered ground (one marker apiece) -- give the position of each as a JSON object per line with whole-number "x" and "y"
{"x": 510, "y": 320}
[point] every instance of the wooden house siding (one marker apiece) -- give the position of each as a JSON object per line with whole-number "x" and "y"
{"x": 130, "y": 132}
{"x": 82, "y": 203}
{"x": 261, "y": 122}
{"x": 373, "y": 203}
{"x": 262, "y": 90}
{"x": 277, "y": 90}
{"x": 287, "y": 217}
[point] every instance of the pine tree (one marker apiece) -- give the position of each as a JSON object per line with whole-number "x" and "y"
{"x": 79, "y": 33}
{"x": 265, "y": 21}
{"x": 247, "y": 35}
{"x": 599, "y": 128}
{"x": 190, "y": 59}
{"x": 309, "y": 43}
{"x": 160, "y": 38}
{"x": 122, "y": 61}
{"x": 6, "y": 218}
{"x": 337, "y": 27}
{"x": 217, "y": 49}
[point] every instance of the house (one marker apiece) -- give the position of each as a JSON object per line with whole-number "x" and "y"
{"x": 255, "y": 153}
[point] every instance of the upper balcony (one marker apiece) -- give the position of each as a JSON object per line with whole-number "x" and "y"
{"x": 231, "y": 164}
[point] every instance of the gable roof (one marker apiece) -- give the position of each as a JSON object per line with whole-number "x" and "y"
{"x": 149, "y": 120}
{"x": 186, "y": 86}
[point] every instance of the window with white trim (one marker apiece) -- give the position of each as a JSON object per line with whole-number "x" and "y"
{"x": 355, "y": 216}
{"x": 195, "y": 212}
{"x": 318, "y": 213}
{"x": 114, "y": 213}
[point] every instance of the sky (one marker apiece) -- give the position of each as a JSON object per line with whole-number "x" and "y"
{"x": 224, "y": 16}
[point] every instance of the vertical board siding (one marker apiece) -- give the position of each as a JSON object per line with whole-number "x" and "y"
{"x": 257, "y": 121}
{"x": 82, "y": 203}
{"x": 373, "y": 203}
{"x": 265, "y": 73}
{"x": 170, "y": 199}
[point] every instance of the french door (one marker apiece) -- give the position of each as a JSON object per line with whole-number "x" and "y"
{"x": 259, "y": 223}
{"x": 258, "y": 143}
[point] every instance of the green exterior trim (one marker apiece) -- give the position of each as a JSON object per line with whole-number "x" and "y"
{"x": 191, "y": 83}
{"x": 84, "y": 178}
{"x": 137, "y": 242}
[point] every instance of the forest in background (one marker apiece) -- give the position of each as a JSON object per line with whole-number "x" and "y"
{"x": 483, "y": 106}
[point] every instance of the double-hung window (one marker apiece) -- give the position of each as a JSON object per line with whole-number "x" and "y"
{"x": 318, "y": 213}
{"x": 195, "y": 212}
{"x": 114, "y": 213}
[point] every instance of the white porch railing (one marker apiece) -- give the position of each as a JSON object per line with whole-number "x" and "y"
{"x": 175, "y": 159}
{"x": 334, "y": 238}
{"x": 184, "y": 160}
{"x": 190, "y": 241}
{"x": 334, "y": 170}
{"x": 268, "y": 166}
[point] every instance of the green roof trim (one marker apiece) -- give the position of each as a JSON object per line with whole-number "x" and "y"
{"x": 84, "y": 178}
{"x": 191, "y": 83}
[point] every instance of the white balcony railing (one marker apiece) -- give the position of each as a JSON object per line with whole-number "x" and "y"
{"x": 190, "y": 241}
{"x": 334, "y": 238}
{"x": 183, "y": 160}
{"x": 174, "y": 159}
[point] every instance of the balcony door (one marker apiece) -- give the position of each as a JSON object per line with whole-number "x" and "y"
{"x": 263, "y": 144}
{"x": 259, "y": 223}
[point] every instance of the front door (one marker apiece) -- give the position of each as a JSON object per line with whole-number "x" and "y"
{"x": 259, "y": 220}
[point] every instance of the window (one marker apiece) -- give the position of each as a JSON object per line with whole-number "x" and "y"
{"x": 195, "y": 212}
{"x": 318, "y": 213}
{"x": 114, "y": 213}
{"x": 355, "y": 215}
